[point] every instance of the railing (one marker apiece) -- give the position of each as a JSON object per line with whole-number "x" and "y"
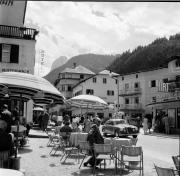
{"x": 130, "y": 91}
{"x": 18, "y": 32}
{"x": 131, "y": 106}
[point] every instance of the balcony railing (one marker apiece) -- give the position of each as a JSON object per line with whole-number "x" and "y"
{"x": 131, "y": 106}
{"x": 18, "y": 32}
{"x": 132, "y": 91}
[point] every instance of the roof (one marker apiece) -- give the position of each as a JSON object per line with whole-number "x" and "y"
{"x": 79, "y": 69}
{"x": 107, "y": 72}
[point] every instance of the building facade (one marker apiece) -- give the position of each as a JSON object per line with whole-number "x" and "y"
{"x": 17, "y": 47}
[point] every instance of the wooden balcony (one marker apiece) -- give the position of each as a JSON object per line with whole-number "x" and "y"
{"x": 18, "y": 32}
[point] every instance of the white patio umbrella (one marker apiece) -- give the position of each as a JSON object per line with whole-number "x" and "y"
{"x": 87, "y": 101}
{"x": 38, "y": 109}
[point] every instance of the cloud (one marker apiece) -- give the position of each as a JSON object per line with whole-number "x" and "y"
{"x": 72, "y": 28}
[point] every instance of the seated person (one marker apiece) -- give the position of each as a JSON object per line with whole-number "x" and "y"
{"x": 6, "y": 143}
{"x": 94, "y": 136}
{"x": 65, "y": 131}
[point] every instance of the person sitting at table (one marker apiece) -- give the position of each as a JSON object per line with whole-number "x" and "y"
{"x": 94, "y": 136}
{"x": 65, "y": 132}
{"x": 87, "y": 124}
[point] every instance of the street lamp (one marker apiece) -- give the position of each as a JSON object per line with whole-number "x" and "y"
{"x": 112, "y": 75}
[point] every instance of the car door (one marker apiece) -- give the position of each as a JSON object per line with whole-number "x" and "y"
{"x": 108, "y": 127}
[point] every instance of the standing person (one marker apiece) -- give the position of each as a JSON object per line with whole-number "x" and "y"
{"x": 145, "y": 125}
{"x": 166, "y": 124}
{"x": 15, "y": 116}
{"x": 94, "y": 137}
{"x": 45, "y": 119}
{"x": 87, "y": 124}
{"x": 6, "y": 116}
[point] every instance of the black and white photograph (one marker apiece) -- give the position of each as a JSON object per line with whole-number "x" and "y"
{"x": 89, "y": 88}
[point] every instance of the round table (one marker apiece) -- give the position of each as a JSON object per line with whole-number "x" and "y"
{"x": 10, "y": 172}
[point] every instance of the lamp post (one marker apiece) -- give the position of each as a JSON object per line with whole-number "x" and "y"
{"x": 111, "y": 75}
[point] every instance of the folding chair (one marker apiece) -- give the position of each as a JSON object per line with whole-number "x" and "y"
{"x": 84, "y": 149}
{"x": 132, "y": 158}
{"x": 68, "y": 150}
{"x": 176, "y": 160}
{"x": 103, "y": 152}
{"x": 164, "y": 171}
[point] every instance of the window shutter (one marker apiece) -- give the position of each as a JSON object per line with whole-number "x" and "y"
{"x": 0, "y": 52}
{"x": 14, "y": 58}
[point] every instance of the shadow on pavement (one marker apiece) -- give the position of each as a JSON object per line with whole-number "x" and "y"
{"x": 24, "y": 150}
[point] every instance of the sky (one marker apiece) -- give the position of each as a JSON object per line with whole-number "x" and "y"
{"x": 73, "y": 28}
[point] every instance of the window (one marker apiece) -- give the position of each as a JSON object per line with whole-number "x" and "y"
{"x": 165, "y": 80}
{"x": 63, "y": 88}
{"x": 110, "y": 92}
{"x": 116, "y": 81}
{"x": 81, "y": 76}
{"x": 126, "y": 100}
{"x": 136, "y": 100}
{"x": 122, "y": 78}
{"x": 104, "y": 80}
{"x": 63, "y": 75}
{"x": 136, "y": 85}
{"x": 69, "y": 88}
{"x": 9, "y": 53}
{"x": 153, "y": 83}
{"x": 153, "y": 99}
{"x": 94, "y": 80}
{"x": 126, "y": 86}
{"x": 89, "y": 91}
{"x": 136, "y": 75}
{"x": 68, "y": 75}
{"x": 177, "y": 63}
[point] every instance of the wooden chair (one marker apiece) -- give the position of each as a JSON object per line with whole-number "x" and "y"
{"x": 164, "y": 171}
{"x": 132, "y": 158}
{"x": 103, "y": 152}
{"x": 176, "y": 160}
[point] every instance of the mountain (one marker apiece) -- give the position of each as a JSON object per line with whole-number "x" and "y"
{"x": 94, "y": 62}
{"x": 154, "y": 55}
{"x": 58, "y": 62}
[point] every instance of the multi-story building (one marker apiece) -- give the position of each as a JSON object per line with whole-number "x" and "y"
{"x": 152, "y": 91}
{"x": 17, "y": 47}
{"x": 103, "y": 86}
{"x": 70, "y": 77}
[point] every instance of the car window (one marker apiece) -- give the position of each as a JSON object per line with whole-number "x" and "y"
{"x": 109, "y": 123}
{"x": 120, "y": 122}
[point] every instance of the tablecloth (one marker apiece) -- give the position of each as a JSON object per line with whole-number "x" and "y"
{"x": 76, "y": 137}
{"x": 10, "y": 172}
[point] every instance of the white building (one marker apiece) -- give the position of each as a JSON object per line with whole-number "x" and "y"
{"x": 17, "y": 45}
{"x": 101, "y": 85}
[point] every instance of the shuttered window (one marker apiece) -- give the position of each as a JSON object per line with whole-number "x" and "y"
{"x": 9, "y": 53}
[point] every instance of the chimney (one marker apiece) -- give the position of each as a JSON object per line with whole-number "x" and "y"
{"x": 74, "y": 65}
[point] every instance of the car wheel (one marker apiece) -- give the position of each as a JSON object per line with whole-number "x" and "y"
{"x": 134, "y": 136}
{"x": 116, "y": 134}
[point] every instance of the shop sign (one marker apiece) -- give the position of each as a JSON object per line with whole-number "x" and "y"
{"x": 15, "y": 70}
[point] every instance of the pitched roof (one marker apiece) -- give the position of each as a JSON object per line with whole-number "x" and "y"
{"x": 107, "y": 72}
{"x": 79, "y": 69}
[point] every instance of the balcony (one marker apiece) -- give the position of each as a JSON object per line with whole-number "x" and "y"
{"x": 131, "y": 106}
{"x": 129, "y": 92}
{"x": 18, "y": 32}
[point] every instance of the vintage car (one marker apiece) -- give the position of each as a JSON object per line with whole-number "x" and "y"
{"x": 119, "y": 127}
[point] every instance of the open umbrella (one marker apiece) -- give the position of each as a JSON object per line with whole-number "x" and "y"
{"x": 89, "y": 101}
{"x": 38, "y": 109}
{"x": 25, "y": 86}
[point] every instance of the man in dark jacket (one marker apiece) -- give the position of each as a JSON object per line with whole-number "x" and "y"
{"x": 94, "y": 137}
{"x": 6, "y": 116}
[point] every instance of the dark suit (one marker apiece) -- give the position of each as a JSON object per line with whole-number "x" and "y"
{"x": 6, "y": 116}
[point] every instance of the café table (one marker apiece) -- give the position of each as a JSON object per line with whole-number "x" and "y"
{"x": 10, "y": 172}
{"x": 76, "y": 137}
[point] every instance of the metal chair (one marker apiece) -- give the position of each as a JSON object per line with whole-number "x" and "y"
{"x": 176, "y": 160}
{"x": 132, "y": 158}
{"x": 103, "y": 152}
{"x": 164, "y": 171}
{"x": 84, "y": 149}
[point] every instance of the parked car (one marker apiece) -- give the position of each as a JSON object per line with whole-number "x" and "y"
{"x": 119, "y": 127}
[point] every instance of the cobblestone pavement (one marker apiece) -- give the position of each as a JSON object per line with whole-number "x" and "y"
{"x": 35, "y": 160}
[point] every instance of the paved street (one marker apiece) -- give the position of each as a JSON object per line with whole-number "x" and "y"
{"x": 37, "y": 161}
